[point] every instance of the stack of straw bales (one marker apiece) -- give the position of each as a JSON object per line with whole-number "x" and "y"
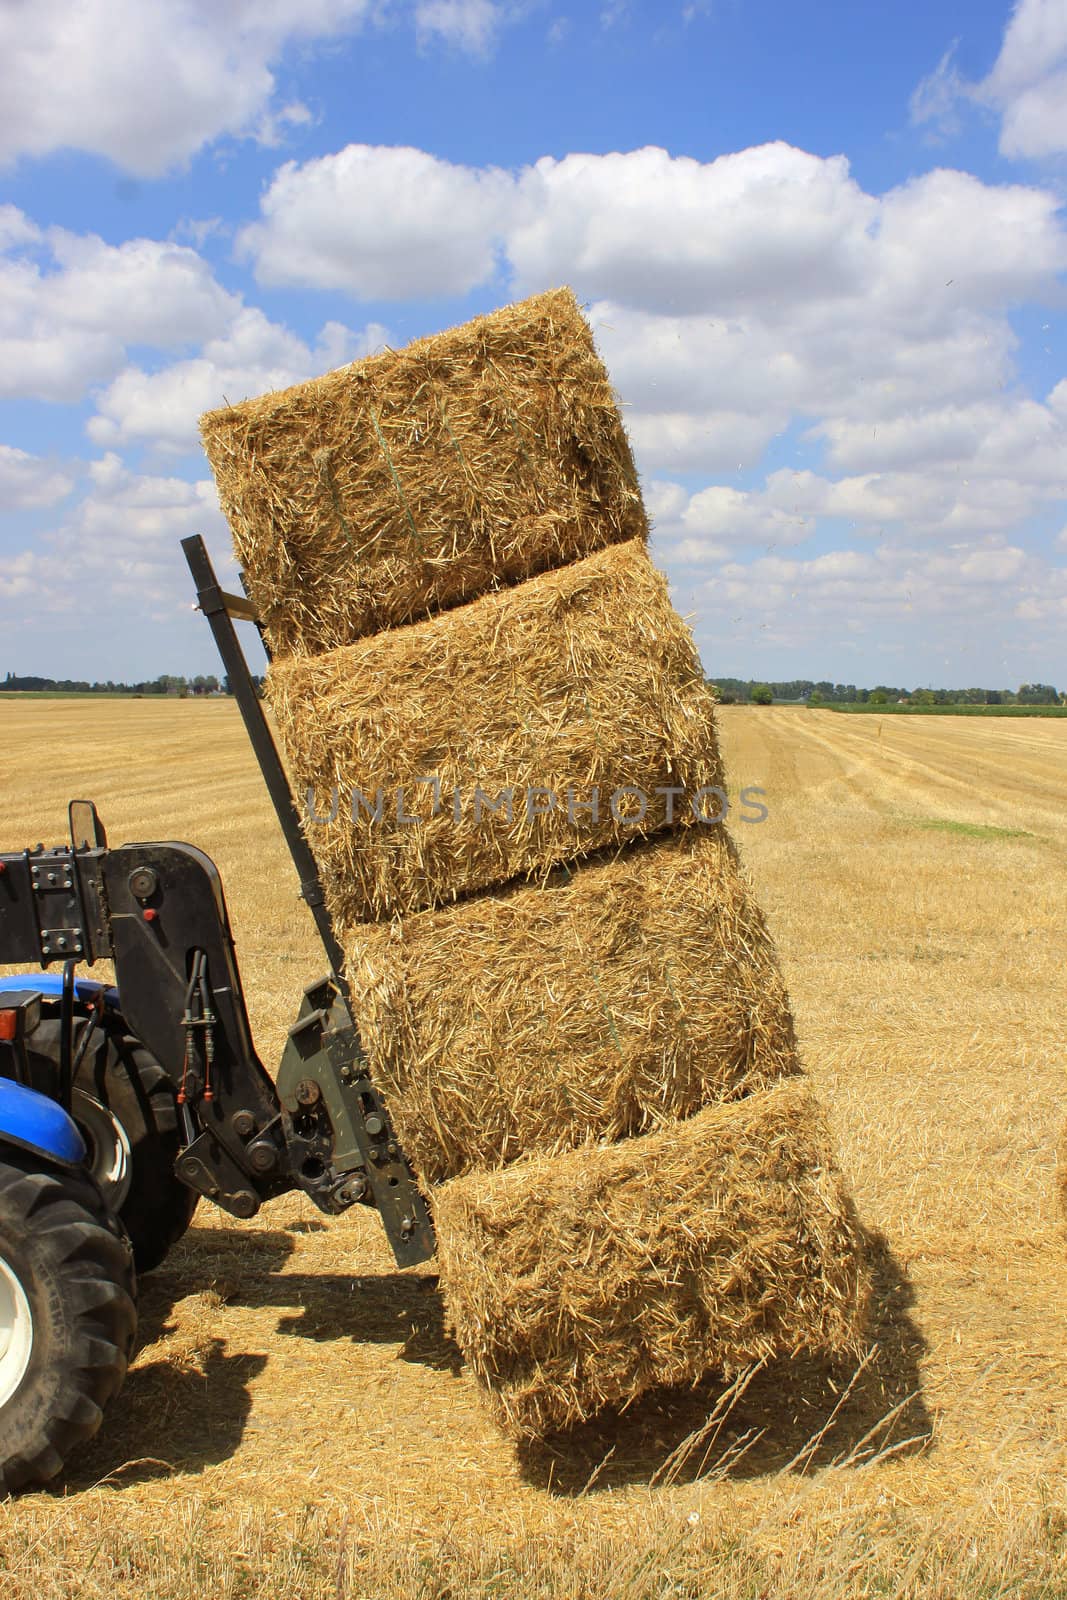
{"x": 566, "y": 990}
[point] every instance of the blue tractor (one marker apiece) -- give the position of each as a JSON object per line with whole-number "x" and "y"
{"x": 121, "y": 1106}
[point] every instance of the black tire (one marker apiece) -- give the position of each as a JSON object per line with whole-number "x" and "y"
{"x": 119, "y": 1072}
{"x": 74, "y": 1268}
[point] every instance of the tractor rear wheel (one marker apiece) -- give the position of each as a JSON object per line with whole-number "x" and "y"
{"x": 119, "y": 1078}
{"x": 68, "y": 1317}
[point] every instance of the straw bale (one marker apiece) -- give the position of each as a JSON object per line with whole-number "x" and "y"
{"x": 419, "y": 478}
{"x": 1061, "y": 1170}
{"x": 576, "y": 1282}
{"x": 580, "y": 679}
{"x": 599, "y": 1004}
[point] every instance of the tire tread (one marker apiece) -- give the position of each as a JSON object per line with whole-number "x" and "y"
{"x": 65, "y": 1220}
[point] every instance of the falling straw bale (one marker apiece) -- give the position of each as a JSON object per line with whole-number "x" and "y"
{"x": 418, "y": 478}
{"x": 578, "y": 680}
{"x": 599, "y": 1004}
{"x": 577, "y": 1282}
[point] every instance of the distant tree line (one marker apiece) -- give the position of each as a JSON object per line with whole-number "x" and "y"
{"x": 753, "y": 691}
{"x": 166, "y": 684}
{"x": 732, "y": 691}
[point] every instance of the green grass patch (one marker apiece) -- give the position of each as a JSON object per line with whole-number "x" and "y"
{"x": 968, "y": 830}
{"x": 856, "y": 708}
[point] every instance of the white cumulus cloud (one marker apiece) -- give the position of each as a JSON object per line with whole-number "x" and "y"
{"x": 771, "y": 230}
{"x": 673, "y": 233}
{"x": 470, "y": 25}
{"x": 382, "y": 223}
{"x": 70, "y": 305}
{"x": 125, "y": 531}
{"x": 956, "y": 608}
{"x": 729, "y": 297}
{"x": 253, "y": 356}
{"x": 759, "y": 313}
{"x": 147, "y": 83}
{"x": 28, "y": 482}
{"x": 1028, "y": 83}
{"x": 1026, "y": 88}
{"x": 701, "y": 528}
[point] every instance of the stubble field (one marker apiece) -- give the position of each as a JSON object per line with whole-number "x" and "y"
{"x": 297, "y": 1422}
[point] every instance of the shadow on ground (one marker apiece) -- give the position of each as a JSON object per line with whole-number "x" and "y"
{"x": 792, "y": 1415}
{"x": 169, "y": 1418}
{"x": 245, "y": 1268}
{"x": 189, "y": 1409}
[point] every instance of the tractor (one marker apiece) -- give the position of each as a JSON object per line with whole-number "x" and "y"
{"x": 123, "y": 1104}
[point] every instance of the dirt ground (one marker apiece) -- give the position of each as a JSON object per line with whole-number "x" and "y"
{"x": 297, "y": 1421}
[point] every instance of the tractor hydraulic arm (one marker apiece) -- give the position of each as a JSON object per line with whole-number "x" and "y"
{"x": 158, "y": 912}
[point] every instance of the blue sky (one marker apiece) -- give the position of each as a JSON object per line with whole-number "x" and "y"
{"x": 822, "y": 247}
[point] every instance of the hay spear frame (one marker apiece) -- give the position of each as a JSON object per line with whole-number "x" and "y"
{"x": 221, "y": 610}
{"x": 335, "y": 1120}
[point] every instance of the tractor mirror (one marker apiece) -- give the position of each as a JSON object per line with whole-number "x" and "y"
{"x": 86, "y": 829}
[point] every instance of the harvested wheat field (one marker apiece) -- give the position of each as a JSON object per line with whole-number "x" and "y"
{"x": 298, "y": 1425}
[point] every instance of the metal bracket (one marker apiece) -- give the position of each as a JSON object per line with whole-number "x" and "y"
{"x": 206, "y": 1167}
{"x": 214, "y": 599}
{"x": 338, "y": 1129}
{"x": 57, "y": 897}
{"x": 333, "y": 1153}
{"x": 52, "y": 876}
{"x": 64, "y": 942}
